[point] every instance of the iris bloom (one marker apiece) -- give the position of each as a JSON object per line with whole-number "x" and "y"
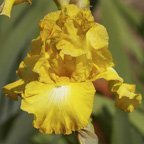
{"x": 6, "y": 6}
{"x": 56, "y": 75}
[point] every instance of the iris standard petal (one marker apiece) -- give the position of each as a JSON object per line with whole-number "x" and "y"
{"x": 97, "y": 36}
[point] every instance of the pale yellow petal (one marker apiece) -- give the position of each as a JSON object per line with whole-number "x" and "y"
{"x": 59, "y": 109}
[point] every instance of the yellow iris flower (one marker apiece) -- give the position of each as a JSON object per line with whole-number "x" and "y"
{"x": 57, "y": 74}
{"x": 6, "y": 6}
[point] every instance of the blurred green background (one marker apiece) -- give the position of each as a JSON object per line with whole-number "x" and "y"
{"x": 124, "y": 20}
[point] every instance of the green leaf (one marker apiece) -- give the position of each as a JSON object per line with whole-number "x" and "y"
{"x": 21, "y": 130}
{"x": 120, "y": 39}
{"x": 137, "y": 119}
{"x": 137, "y": 138}
{"x": 132, "y": 15}
{"x": 16, "y": 34}
{"x": 121, "y": 131}
{"x": 52, "y": 139}
{"x": 101, "y": 102}
{"x": 121, "y": 128}
{"x": 45, "y": 139}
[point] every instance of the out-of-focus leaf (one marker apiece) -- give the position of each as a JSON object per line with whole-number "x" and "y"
{"x": 16, "y": 34}
{"x": 15, "y": 38}
{"x": 120, "y": 38}
{"x": 137, "y": 119}
{"x": 6, "y": 126}
{"x": 128, "y": 38}
{"x": 21, "y": 36}
{"x": 48, "y": 139}
{"x": 133, "y": 16}
{"x": 87, "y": 135}
{"x": 110, "y": 20}
{"x": 21, "y": 130}
{"x": 120, "y": 121}
{"x": 137, "y": 138}
{"x": 129, "y": 13}
{"x": 101, "y": 102}
{"x": 52, "y": 139}
{"x": 121, "y": 132}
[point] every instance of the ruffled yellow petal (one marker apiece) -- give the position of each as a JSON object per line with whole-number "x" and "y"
{"x": 36, "y": 47}
{"x": 76, "y": 35}
{"x": 84, "y": 21}
{"x": 25, "y": 70}
{"x": 125, "y": 96}
{"x": 69, "y": 44}
{"x": 14, "y": 89}
{"x": 102, "y": 59}
{"x": 83, "y": 69}
{"x": 97, "y": 37}
{"x": 51, "y": 17}
{"x": 67, "y": 48}
{"x": 42, "y": 68}
{"x": 59, "y": 109}
{"x": 6, "y": 6}
{"x": 70, "y": 11}
{"x": 62, "y": 67}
